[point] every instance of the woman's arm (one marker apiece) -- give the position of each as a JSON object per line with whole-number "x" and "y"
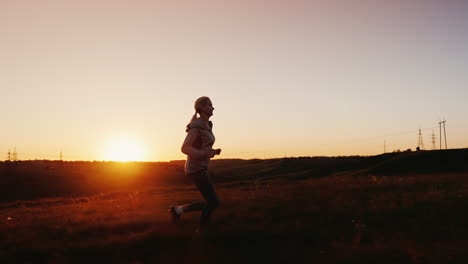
{"x": 189, "y": 150}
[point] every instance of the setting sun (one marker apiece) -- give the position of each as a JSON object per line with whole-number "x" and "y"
{"x": 124, "y": 150}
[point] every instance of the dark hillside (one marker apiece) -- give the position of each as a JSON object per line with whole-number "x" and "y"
{"x": 454, "y": 160}
{"x": 290, "y": 210}
{"x": 26, "y": 180}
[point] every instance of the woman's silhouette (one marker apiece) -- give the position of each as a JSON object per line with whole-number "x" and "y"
{"x": 198, "y": 148}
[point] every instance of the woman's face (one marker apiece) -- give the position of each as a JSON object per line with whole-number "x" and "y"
{"x": 207, "y": 109}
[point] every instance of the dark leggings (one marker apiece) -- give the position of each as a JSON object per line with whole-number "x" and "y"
{"x": 205, "y": 186}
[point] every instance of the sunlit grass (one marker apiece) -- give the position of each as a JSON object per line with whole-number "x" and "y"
{"x": 369, "y": 214}
{"x": 318, "y": 210}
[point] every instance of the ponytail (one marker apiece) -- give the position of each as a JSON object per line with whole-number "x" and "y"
{"x": 193, "y": 117}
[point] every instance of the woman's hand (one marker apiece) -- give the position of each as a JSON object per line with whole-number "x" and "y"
{"x": 215, "y": 152}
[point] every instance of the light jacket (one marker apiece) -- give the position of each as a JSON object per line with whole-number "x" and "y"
{"x": 198, "y": 145}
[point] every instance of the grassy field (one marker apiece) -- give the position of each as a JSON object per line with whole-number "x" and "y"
{"x": 381, "y": 209}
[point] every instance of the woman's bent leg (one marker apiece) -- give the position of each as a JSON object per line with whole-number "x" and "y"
{"x": 204, "y": 184}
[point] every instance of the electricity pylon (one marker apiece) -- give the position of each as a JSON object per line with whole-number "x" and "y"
{"x": 15, "y": 155}
{"x": 420, "y": 141}
{"x": 440, "y": 133}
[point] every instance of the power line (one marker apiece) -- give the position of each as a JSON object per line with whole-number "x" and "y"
{"x": 13, "y": 156}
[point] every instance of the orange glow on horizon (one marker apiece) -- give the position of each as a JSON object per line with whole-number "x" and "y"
{"x": 124, "y": 149}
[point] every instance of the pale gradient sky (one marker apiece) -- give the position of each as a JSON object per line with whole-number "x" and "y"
{"x": 287, "y": 78}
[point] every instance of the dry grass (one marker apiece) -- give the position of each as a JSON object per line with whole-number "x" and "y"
{"x": 337, "y": 219}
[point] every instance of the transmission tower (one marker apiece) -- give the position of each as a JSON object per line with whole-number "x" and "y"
{"x": 61, "y": 156}
{"x": 445, "y": 135}
{"x": 15, "y": 155}
{"x": 433, "y": 140}
{"x": 420, "y": 141}
{"x": 9, "y": 155}
{"x": 440, "y": 133}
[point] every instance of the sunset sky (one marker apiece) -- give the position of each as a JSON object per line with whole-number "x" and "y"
{"x": 287, "y": 78}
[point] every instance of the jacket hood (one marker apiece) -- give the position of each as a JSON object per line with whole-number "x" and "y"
{"x": 198, "y": 123}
